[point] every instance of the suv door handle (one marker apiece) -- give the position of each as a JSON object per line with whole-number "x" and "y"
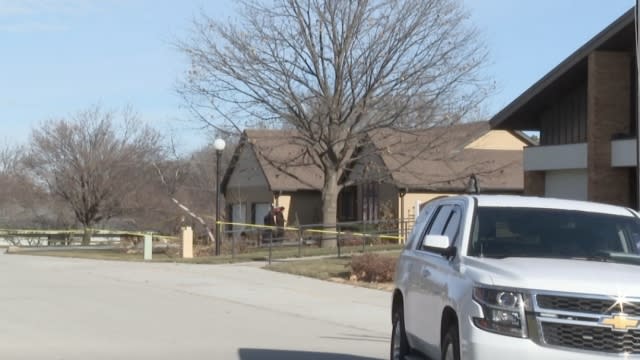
{"x": 426, "y": 272}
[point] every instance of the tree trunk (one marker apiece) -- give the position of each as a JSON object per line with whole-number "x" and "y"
{"x": 86, "y": 237}
{"x": 330, "y": 192}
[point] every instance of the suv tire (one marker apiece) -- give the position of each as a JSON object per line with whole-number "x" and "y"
{"x": 451, "y": 344}
{"x": 399, "y": 343}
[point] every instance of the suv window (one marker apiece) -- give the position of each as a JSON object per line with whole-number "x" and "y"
{"x": 554, "y": 233}
{"x": 419, "y": 226}
{"x": 446, "y": 221}
{"x": 440, "y": 221}
{"x": 451, "y": 230}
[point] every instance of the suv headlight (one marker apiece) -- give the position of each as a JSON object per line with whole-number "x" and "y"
{"x": 503, "y": 310}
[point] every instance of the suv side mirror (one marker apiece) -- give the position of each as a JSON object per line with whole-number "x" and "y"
{"x": 440, "y": 242}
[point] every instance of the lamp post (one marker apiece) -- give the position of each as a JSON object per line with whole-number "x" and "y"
{"x": 219, "y": 145}
{"x": 403, "y": 226}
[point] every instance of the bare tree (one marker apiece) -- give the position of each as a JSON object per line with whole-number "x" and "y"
{"x": 336, "y": 70}
{"x": 17, "y": 192}
{"x": 173, "y": 175}
{"x": 93, "y": 161}
{"x": 189, "y": 181}
{"x": 11, "y": 159}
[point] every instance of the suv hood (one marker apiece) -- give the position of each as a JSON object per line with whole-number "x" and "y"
{"x": 563, "y": 275}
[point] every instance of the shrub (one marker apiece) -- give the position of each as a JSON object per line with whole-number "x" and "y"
{"x": 356, "y": 240}
{"x": 373, "y": 267}
{"x": 201, "y": 250}
{"x": 242, "y": 246}
{"x": 350, "y": 240}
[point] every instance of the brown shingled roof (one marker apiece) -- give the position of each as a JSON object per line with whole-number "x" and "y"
{"x": 284, "y": 160}
{"x": 436, "y": 159}
{"x": 429, "y": 160}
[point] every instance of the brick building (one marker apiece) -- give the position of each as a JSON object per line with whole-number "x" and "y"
{"x": 585, "y": 112}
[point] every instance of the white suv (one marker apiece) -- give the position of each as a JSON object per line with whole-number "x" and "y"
{"x": 510, "y": 277}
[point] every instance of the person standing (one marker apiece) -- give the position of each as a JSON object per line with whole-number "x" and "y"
{"x": 270, "y": 221}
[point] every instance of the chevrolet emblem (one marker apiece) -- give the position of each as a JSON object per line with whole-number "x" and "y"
{"x": 620, "y": 322}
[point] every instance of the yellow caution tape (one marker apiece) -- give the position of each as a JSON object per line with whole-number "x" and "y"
{"x": 46, "y": 232}
{"x": 311, "y": 230}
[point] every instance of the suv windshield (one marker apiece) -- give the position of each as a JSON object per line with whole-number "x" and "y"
{"x": 500, "y": 232}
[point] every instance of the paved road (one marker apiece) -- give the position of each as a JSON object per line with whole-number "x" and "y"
{"x": 54, "y": 308}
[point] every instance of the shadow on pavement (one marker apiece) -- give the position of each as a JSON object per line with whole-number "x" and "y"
{"x": 272, "y": 354}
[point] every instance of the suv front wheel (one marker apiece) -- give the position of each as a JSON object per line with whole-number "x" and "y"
{"x": 451, "y": 344}
{"x": 399, "y": 342}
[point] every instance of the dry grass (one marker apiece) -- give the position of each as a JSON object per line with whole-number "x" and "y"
{"x": 323, "y": 269}
{"x": 332, "y": 269}
{"x": 373, "y": 267}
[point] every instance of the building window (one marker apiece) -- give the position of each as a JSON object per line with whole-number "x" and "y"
{"x": 370, "y": 200}
{"x": 347, "y": 200}
{"x": 258, "y": 211}
{"x": 238, "y": 215}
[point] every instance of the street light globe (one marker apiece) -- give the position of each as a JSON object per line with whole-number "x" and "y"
{"x": 219, "y": 144}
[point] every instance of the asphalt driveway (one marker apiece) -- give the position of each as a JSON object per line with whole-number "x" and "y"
{"x": 55, "y": 308}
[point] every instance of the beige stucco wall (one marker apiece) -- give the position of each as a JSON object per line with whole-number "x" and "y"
{"x": 284, "y": 200}
{"x": 497, "y": 140}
